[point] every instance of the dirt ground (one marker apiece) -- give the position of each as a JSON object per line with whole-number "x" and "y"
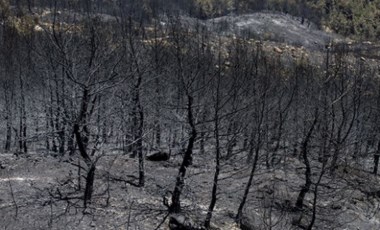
{"x": 42, "y": 192}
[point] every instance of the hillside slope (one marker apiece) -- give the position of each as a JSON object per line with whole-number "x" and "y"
{"x": 274, "y": 27}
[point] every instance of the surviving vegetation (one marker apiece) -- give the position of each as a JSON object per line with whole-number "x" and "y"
{"x": 190, "y": 115}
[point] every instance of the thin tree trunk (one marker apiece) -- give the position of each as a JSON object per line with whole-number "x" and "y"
{"x": 138, "y": 126}
{"x": 71, "y": 144}
{"x": 215, "y": 184}
{"x": 315, "y": 199}
{"x": 248, "y": 186}
{"x": 47, "y": 141}
{"x": 376, "y": 159}
{"x": 140, "y": 148}
{"x": 255, "y": 159}
{"x": 22, "y": 127}
{"x": 82, "y": 142}
{"x": 90, "y": 178}
{"x": 306, "y": 187}
{"x": 63, "y": 114}
{"x": 24, "y": 146}
{"x": 232, "y": 142}
{"x": 54, "y": 147}
{"x": 157, "y": 124}
{"x": 8, "y": 118}
{"x": 8, "y": 139}
{"x": 187, "y": 160}
{"x": 217, "y": 158}
{"x": 202, "y": 143}
{"x": 57, "y": 115}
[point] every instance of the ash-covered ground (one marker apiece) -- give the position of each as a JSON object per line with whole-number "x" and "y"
{"x": 42, "y": 192}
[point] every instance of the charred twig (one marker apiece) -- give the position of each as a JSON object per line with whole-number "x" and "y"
{"x": 13, "y": 198}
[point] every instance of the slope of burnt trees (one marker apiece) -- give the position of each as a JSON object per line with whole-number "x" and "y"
{"x": 80, "y": 87}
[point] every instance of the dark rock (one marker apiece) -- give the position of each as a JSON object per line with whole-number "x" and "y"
{"x": 246, "y": 223}
{"x": 285, "y": 205}
{"x": 336, "y": 207}
{"x": 158, "y": 156}
{"x": 181, "y": 222}
{"x": 299, "y": 221}
{"x": 21, "y": 155}
{"x": 17, "y": 154}
{"x": 267, "y": 190}
{"x": 250, "y": 221}
{"x": 372, "y": 194}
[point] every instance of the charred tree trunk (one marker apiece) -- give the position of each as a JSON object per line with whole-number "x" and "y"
{"x": 255, "y": 159}
{"x": 215, "y": 183}
{"x": 61, "y": 113}
{"x": 47, "y": 142}
{"x": 57, "y": 113}
{"x": 232, "y": 142}
{"x": 217, "y": 161}
{"x": 376, "y": 159}
{"x": 82, "y": 141}
{"x": 8, "y": 139}
{"x": 71, "y": 143}
{"x": 90, "y": 178}
{"x": 140, "y": 148}
{"x": 157, "y": 124}
{"x": 175, "y": 207}
{"x": 315, "y": 199}
{"x": 249, "y": 184}
{"x": 61, "y": 136}
{"x": 202, "y": 143}
{"x": 304, "y": 151}
{"x": 54, "y": 146}
{"x": 138, "y": 123}
{"x": 137, "y": 113}
{"x": 91, "y": 167}
{"x": 157, "y": 128}
{"x": 22, "y": 124}
{"x": 8, "y": 119}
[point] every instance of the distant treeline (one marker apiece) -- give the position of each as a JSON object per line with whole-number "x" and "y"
{"x": 355, "y": 18}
